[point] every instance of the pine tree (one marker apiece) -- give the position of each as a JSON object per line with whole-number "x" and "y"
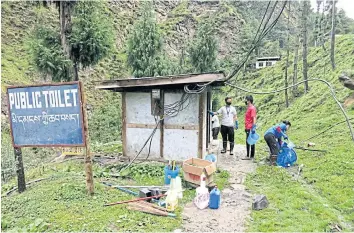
{"x": 145, "y": 45}
{"x": 203, "y": 49}
{"x": 92, "y": 37}
{"x": 89, "y": 39}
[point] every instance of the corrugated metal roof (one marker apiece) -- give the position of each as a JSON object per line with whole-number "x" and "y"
{"x": 150, "y": 82}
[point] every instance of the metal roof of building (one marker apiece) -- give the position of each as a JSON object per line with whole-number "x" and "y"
{"x": 268, "y": 58}
{"x": 161, "y": 81}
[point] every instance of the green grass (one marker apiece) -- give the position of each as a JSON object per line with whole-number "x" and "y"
{"x": 61, "y": 203}
{"x": 293, "y": 208}
{"x": 329, "y": 175}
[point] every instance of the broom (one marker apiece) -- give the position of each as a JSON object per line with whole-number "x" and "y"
{"x": 149, "y": 210}
{"x": 147, "y": 204}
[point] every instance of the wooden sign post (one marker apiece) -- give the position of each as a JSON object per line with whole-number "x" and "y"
{"x": 88, "y": 158}
{"x": 21, "y": 182}
{"x": 48, "y": 115}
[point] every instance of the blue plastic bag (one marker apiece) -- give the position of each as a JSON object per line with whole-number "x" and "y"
{"x": 211, "y": 158}
{"x": 287, "y": 156}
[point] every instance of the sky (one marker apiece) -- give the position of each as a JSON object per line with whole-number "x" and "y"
{"x": 346, "y": 5}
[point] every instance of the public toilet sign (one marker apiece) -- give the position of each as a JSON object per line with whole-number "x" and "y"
{"x": 46, "y": 115}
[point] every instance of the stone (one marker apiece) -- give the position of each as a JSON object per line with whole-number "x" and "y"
{"x": 260, "y": 202}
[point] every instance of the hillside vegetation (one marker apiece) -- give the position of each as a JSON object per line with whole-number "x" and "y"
{"x": 320, "y": 200}
{"x": 325, "y": 197}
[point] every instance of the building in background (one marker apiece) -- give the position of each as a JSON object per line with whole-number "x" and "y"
{"x": 263, "y": 62}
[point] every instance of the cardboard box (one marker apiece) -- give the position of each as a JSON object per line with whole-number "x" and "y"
{"x": 193, "y": 168}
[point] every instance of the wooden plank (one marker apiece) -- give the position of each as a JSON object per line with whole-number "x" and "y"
{"x": 124, "y": 124}
{"x": 183, "y": 127}
{"x": 140, "y": 126}
{"x": 201, "y": 120}
{"x": 150, "y": 126}
{"x": 162, "y": 102}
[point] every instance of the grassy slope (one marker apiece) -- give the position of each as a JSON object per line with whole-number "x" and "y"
{"x": 327, "y": 196}
{"x": 61, "y": 204}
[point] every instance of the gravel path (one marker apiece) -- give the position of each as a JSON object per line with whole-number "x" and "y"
{"x": 236, "y": 202}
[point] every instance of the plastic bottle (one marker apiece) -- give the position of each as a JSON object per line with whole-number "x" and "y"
{"x": 215, "y": 198}
{"x": 179, "y": 187}
{"x": 172, "y": 196}
{"x": 202, "y": 195}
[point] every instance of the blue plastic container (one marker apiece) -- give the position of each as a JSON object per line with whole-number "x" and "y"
{"x": 215, "y": 199}
{"x": 170, "y": 174}
{"x": 252, "y": 138}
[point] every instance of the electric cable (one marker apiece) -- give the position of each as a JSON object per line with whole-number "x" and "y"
{"x": 309, "y": 80}
{"x": 260, "y": 25}
{"x": 262, "y": 35}
{"x": 171, "y": 112}
{"x": 132, "y": 161}
{"x": 324, "y": 131}
{"x": 264, "y": 32}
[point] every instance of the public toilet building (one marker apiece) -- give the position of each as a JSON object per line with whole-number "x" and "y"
{"x": 184, "y": 132}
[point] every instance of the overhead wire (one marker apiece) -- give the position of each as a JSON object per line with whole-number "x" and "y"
{"x": 324, "y": 131}
{"x": 309, "y": 80}
{"x": 255, "y": 43}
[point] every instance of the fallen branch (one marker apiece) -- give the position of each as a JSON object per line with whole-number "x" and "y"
{"x": 302, "y": 148}
{"x": 135, "y": 200}
{"x": 15, "y": 188}
{"x": 136, "y": 186}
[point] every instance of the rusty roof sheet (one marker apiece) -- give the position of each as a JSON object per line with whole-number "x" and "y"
{"x": 147, "y": 82}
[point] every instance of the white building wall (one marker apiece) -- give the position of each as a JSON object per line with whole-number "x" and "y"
{"x": 181, "y": 133}
{"x": 138, "y": 112}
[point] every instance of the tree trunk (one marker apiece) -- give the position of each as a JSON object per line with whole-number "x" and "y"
{"x": 296, "y": 58}
{"x": 333, "y": 34}
{"x": 65, "y": 28}
{"x": 287, "y": 60}
{"x": 76, "y": 72}
{"x": 304, "y": 43}
{"x": 21, "y": 182}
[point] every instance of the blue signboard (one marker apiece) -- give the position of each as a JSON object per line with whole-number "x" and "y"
{"x": 47, "y": 115}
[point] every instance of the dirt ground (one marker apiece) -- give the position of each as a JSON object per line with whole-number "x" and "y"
{"x": 236, "y": 202}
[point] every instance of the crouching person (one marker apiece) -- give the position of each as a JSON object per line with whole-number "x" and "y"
{"x": 273, "y": 137}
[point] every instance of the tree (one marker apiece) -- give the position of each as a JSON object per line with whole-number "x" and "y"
{"x": 48, "y": 55}
{"x": 145, "y": 45}
{"x": 345, "y": 25}
{"x": 305, "y": 12}
{"x": 287, "y": 59}
{"x": 92, "y": 37}
{"x": 333, "y": 33}
{"x": 203, "y": 49}
{"x": 87, "y": 37}
{"x": 296, "y": 49}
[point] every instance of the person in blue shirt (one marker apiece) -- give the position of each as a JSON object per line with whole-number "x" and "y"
{"x": 273, "y": 137}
